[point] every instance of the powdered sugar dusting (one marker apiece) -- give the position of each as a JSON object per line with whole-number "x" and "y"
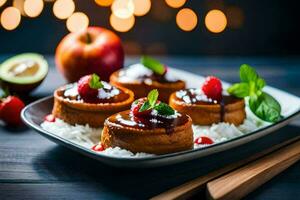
{"x": 193, "y": 95}
{"x": 134, "y": 72}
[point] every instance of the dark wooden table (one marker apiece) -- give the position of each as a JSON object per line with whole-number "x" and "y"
{"x": 31, "y": 167}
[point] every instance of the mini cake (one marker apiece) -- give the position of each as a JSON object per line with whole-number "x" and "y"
{"x": 143, "y": 77}
{"x": 90, "y": 101}
{"x": 208, "y": 105}
{"x": 150, "y": 126}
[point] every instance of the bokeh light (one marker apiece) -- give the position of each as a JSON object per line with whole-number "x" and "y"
{"x": 132, "y": 47}
{"x": 157, "y": 48}
{"x": 63, "y": 9}
{"x": 215, "y": 4}
{"x": 2, "y": 2}
{"x": 78, "y": 21}
{"x": 123, "y": 8}
{"x": 175, "y": 3}
{"x": 141, "y": 7}
{"x": 19, "y": 4}
{"x": 10, "y": 18}
{"x": 161, "y": 11}
{"x": 33, "y": 8}
{"x": 186, "y": 19}
{"x": 121, "y": 24}
{"x": 235, "y": 16}
{"x": 104, "y": 2}
{"x": 215, "y": 21}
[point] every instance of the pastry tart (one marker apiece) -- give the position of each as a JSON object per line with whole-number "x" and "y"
{"x": 207, "y": 105}
{"x": 79, "y": 103}
{"x": 143, "y": 77}
{"x": 157, "y": 129}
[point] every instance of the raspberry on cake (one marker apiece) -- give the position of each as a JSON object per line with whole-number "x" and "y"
{"x": 158, "y": 130}
{"x": 212, "y": 88}
{"x": 208, "y": 105}
{"x": 90, "y": 101}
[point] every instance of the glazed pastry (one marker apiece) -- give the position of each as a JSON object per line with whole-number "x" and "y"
{"x": 150, "y": 126}
{"x": 90, "y": 101}
{"x": 208, "y": 105}
{"x": 143, "y": 77}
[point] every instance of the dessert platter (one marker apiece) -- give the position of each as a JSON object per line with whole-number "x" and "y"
{"x": 149, "y": 114}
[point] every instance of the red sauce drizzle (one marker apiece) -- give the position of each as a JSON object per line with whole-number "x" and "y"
{"x": 49, "y": 118}
{"x": 98, "y": 147}
{"x": 203, "y": 140}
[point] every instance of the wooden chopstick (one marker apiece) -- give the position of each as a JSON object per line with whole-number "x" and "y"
{"x": 244, "y": 180}
{"x": 190, "y": 188}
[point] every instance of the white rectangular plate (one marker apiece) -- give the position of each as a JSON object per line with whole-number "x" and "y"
{"x": 33, "y": 115}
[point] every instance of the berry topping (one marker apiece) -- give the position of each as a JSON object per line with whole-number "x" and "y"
{"x": 11, "y": 108}
{"x": 203, "y": 140}
{"x": 88, "y": 87}
{"x": 136, "y": 107}
{"x": 98, "y": 147}
{"x": 212, "y": 88}
{"x": 144, "y": 106}
{"x": 50, "y": 118}
{"x": 157, "y": 67}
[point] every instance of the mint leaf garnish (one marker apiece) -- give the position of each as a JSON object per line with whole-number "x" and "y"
{"x": 95, "y": 82}
{"x": 146, "y": 106}
{"x": 265, "y": 107}
{"x": 260, "y": 83}
{"x": 153, "y": 64}
{"x": 164, "y": 109}
{"x": 152, "y": 97}
{"x": 151, "y": 101}
{"x": 247, "y": 74}
{"x": 261, "y": 104}
{"x": 240, "y": 90}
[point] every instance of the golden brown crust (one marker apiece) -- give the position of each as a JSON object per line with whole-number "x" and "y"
{"x": 141, "y": 90}
{"x": 76, "y": 112}
{"x": 234, "y": 113}
{"x": 155, "y": 141}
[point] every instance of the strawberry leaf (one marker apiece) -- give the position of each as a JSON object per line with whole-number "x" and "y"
{"x": 164, "y": 109}
{"x": 146, "y": 106}
{"x": 151, "y": 101}
{"x": 153, "y": 64}
{"x": 152, "y": 97}
{"x": 95, "y": 82}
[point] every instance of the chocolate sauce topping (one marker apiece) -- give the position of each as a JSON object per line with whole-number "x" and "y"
{"x": 108, "y": 94}
{"x": 139, "y": 72}
{"x": 158, "y": 78}
{"x": 195, "y": 96}
{"x": 126, "y": 119}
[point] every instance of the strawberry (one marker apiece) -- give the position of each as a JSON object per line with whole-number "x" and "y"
{"x": 88, "y": 87}
{"x": 11, "y": 108}
{"x": 212, "y": 88}
{"x": 136, "y": 106}
{"x": 203, "y": 140}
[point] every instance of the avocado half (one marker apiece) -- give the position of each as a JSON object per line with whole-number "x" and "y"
{"x": 24, "y": 72}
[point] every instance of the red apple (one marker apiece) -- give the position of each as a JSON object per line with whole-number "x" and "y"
{"x": 95, "y": 50}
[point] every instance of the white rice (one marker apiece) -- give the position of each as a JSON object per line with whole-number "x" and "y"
{"x": 82, "y": 135}
{"x": 88, "y": 137}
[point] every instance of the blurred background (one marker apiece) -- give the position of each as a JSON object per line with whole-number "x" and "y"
{"x": 161, "y": 27}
